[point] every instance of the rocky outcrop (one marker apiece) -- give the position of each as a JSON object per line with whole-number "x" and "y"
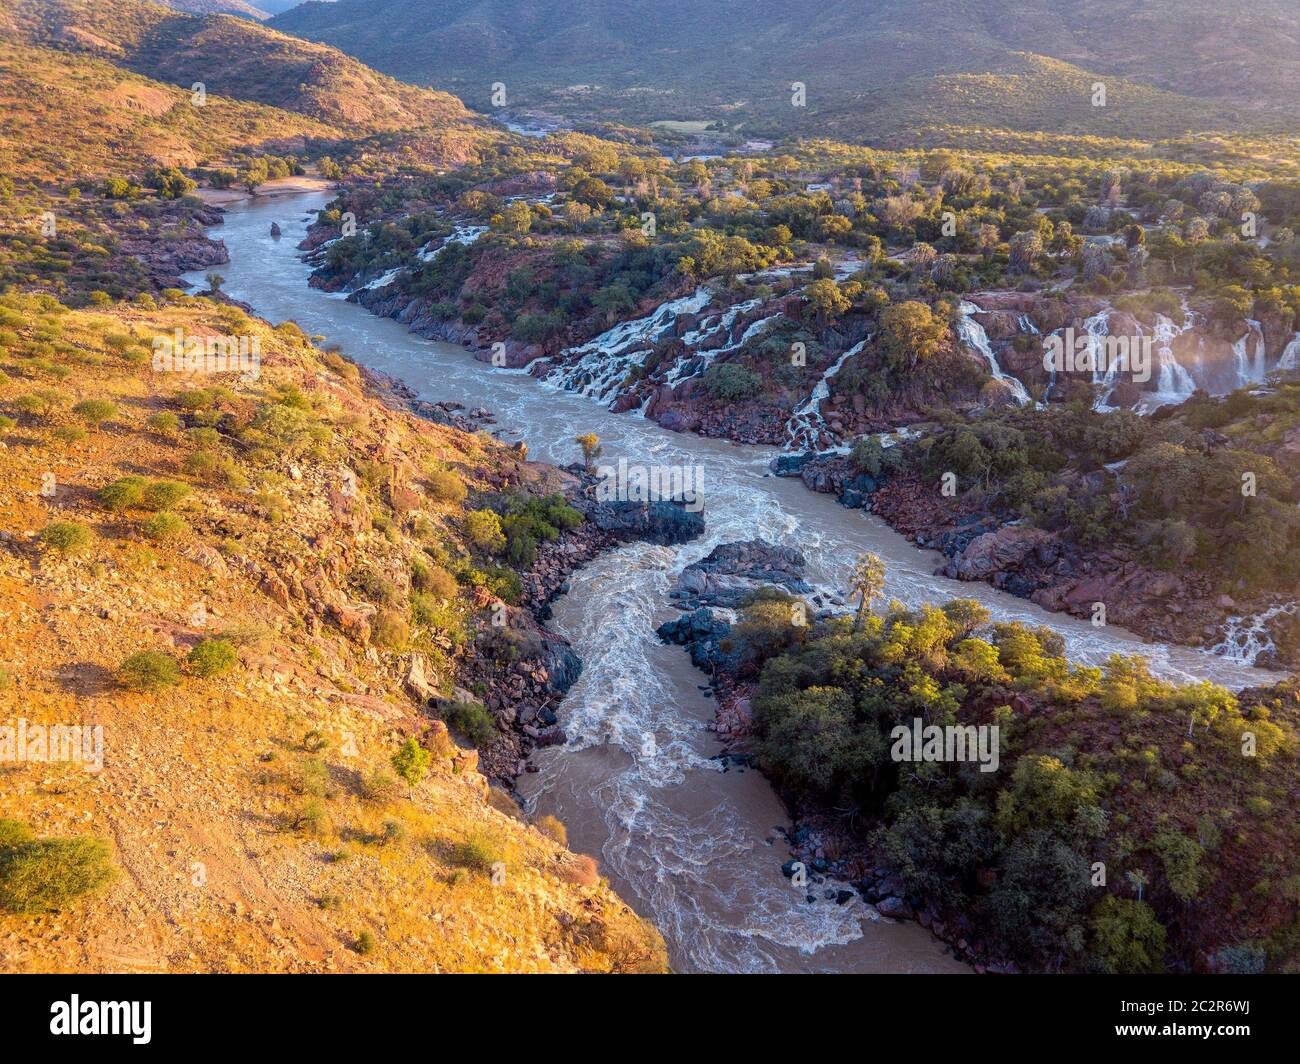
{"x": 661, "y": 522}
{"x": 995, "y": 552}
{"x": 732, "y": 571}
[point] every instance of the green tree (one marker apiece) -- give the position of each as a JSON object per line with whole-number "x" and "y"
{"x": 1126, "y": 938}
{"x": 825, "y": 297}
{"x": 910, "y": 333}
{"x": 411, "y": 762}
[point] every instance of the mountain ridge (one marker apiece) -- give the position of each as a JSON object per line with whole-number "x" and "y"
{"x": 735, "y": 62}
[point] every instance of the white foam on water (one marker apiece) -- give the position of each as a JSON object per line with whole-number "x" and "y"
{"x": 1250, "y": 368}
{"x": 1246, "y": 638}
{"x": 462, "y": 234}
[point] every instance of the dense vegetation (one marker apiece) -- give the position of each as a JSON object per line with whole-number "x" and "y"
{"x": 1178, "y": 791}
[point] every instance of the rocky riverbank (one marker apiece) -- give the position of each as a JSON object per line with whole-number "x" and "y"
{"x": 521, "y": 670}
{"x": 1056, "y": 573}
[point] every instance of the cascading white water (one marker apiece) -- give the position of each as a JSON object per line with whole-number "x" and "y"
{"x": 383, "y": 280}
{"x": 462, "y": 234}
{"x": 1097, "y": 328}
{"x": 973, "y": 335}
{"x": 695, "y": 362}
{"x": 692, "y": 847}
{"x": 805, "y": 428}
{"x": 1250, "y": 370}
{"x": 1246, "y": 638}
{"x": 1173, "y": 383}
{"x": 1290, "y": 354}
{"x": 604, "y": 362}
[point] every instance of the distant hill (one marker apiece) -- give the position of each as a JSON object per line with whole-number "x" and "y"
{"x": 1180, "y": 63}
{"x": 232, "y": 57}
{"x": 220, "y": 7}
{"x": 48, "y": 99}
{"x": 125, "y": 70}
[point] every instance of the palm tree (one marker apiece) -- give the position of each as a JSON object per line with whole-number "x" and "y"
{"x": 867, "y": 582}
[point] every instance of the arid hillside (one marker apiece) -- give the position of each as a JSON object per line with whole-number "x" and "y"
{"x": 254, "y": 582}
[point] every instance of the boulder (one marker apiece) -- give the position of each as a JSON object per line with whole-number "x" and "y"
{"x": 661, "y": 522}
{"x": 998, "y": 551}
{"x": 417, "y": 681}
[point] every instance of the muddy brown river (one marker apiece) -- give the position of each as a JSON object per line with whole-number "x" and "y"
{"x": 694, "y": 848}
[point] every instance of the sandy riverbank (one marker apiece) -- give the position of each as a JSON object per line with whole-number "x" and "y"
{"x": 223, "y": 197}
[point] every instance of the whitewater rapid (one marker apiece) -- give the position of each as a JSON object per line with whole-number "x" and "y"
{"x": 694, "y": 848}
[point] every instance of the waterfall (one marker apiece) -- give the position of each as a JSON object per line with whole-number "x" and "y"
{"x": 462, "y": 234}
{"x": 1097, "y": 327}
{"x": 1248, "y": 371}
{"x": 1174, "y": 383}
{"x": 804, "y": 430}
{"x": 698, "y": 361}
{"x": 1290, "y": 353}
{"x": 1245, "y": 638}
{"x": 383, "y": 280}
{"x": 603, "y": 362}
{"x": 973, "y": 335}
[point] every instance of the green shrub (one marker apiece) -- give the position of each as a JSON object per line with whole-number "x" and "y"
{"x": 164, "y": 494}
{"x": 379, "y": 787}
{"x": 374, "y": 586}
{"x": 553, "y": 828}
{"x": 14, "y": 832}
{"x": 66, "y": 537}
{"x": 483, "y": 530}
{"x": 69, "y": 434}
{"x": 365, "y": 943}
{"x": 472, "y": 720}
{"x": 390, "y": 630}
{"x": 95, "y": 411}
{"x": 165, "y": 422}
{"x": 7, "y": 423}
{"x": 730, "y": 382}
{"x": 42, "y": 875}
{"x": 211, "y": 657}
{"x": 1127, "y": 939}
{"x": 148, "y": 670}
{"x": 202, "y": 464}
{"x": 313, "y": 819}
{"x": 123, "y": 494}
{"x": 446, "y": 486}
{"x": 434, "y": 580}
{"x": 165, "y": 526}
{"x": 411, "y": 762}
{"x": 477, "y": 853}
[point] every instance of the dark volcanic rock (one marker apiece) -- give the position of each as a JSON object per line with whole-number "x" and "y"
{"x": 662, "y": 522}
{"x": 732, "y": 571}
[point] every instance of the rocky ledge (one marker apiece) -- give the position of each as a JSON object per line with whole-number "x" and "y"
{"x": 1060, "y": 575}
